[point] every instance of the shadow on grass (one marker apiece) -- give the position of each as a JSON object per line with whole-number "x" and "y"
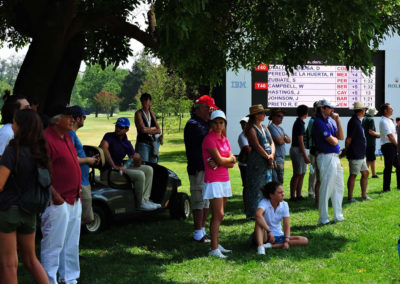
{"x": 174, "y": 156}
{"x": 177, "y": 141}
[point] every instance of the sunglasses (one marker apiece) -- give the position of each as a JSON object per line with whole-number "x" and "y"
{"x": 122, "y": 127}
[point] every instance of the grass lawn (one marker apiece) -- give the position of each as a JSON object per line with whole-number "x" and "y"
{"x": 362, "y": 249}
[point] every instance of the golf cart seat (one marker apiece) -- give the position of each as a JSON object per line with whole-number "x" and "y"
{"x": 96, "y": 179}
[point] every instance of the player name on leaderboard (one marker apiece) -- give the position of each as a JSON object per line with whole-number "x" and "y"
{"x": 338, "y": 84}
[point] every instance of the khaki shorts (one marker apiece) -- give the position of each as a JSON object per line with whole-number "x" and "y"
{"x": 196, "y": 191}
{"x": 357, "y": 165}
{"x": 87, "y": 210}
{"x": 15, "y": 220}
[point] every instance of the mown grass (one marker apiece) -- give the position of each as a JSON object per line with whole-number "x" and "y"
{"x": 157, "y": 249}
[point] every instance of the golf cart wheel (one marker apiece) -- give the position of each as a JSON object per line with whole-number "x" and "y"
{"x": 99, "y": 223}
{"x": 180, "y": 206}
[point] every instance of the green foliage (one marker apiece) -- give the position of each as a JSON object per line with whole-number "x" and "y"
{"x": 106, "y": 101}
{"x": 231, "y": 34}
{"x": 94, "y": 80}
{"x": 133, "y": 81}
{"x": 9, "y": 69}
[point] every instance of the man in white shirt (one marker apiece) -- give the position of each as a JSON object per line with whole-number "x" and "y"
{"x": 387, "y": 130}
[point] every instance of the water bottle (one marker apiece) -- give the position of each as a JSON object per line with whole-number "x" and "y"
{"x": 311, "y": 169}
{"x": 126, "y": 165}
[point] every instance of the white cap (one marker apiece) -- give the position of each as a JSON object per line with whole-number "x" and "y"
{"x": 324, "y": 102}
{"x": 245, "y": 119}
{"x": 372, "y": 111}
{"x": 217, "y": 113}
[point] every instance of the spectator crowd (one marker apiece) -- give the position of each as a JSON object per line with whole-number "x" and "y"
{"x": 29, "y": 140}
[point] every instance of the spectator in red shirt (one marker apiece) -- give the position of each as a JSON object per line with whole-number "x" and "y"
{"x": 61, "y": 221}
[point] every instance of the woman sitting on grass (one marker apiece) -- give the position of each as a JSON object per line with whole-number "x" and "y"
{"x": 269, "y": 215}
{"x": 217, "y": 157}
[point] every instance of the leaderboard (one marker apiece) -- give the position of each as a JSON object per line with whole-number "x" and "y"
{"x": 341, "y": 85}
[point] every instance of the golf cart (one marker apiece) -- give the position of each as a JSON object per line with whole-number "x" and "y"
{"x": 117, "y": 200}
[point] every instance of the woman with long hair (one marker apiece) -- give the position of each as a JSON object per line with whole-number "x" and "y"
{"x": 260, "y": 160}
{"x": 217, "y": 158}
{"x": 18, "y": 167}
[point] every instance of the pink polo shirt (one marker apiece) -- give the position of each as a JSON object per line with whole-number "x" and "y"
{"x": 66, "y": 172}
{"x": 222, "y": 144}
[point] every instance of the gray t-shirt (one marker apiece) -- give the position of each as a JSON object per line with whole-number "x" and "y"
{"x": 280, "y": 151}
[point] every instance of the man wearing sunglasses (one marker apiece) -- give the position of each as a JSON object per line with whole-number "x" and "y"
{"x": 116, "y": 146}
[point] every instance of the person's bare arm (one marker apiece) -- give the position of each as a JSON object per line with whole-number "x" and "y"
{"x": 347, "y": 142}
{"x": 226, "y": 162}
{"x": 4, "y": 174}
{"x": 261, "y": 222}
{"x": 392, "y": 139}
{"x": 253, "y": 141}
{"x": 142, "y": 128}
{"x": 373, "y": 133}
{"x": 286, "y": 232}
{"x": 303, "y": 149}
{"x": 339, "y": 131}
{"x": 104, "y": 146}
{"x": 273, "y": 149}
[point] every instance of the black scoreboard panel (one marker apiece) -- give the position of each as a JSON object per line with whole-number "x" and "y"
{"x": 274, "y": 88}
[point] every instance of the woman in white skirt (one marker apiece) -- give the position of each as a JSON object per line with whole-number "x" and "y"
{"x": 217, "y": 157}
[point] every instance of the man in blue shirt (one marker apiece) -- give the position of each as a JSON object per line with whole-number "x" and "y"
{"x": 79, "y": 117}
{"x": 116, "y": 146}
{"x": 195, "y": 130}
{"x": 327, "y": 131}
{"x": 355, "y": 146}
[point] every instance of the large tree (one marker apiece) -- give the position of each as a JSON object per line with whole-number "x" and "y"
{"x": 198, "y": 38}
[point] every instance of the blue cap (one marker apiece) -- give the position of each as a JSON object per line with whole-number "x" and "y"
{"x": 77, "y": 111}
{"x": 123, "y": 122}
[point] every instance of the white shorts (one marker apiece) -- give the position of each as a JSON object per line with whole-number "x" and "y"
{"x": 357, "y": 165}
{"x": 217, "y": 190}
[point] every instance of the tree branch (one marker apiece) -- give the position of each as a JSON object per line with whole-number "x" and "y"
{"x": 116, "y": 24}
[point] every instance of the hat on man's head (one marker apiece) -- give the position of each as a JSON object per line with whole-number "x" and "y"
{"x": 274, "y": 112}
{"x": 254, "y": 109}
{"x": 324, "y": 103}
{"x": 359, "y": 105}
{"x": 206, "y": 100}
{"x": 244, "y": 119}
{"x": 77, "y": 111}
{"x": 123, "y": 122}
{"x": 372, "y": 111}
{"x": 60, "y": 109}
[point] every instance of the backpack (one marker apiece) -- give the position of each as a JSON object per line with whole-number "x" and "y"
{"x": 36, "y": 200}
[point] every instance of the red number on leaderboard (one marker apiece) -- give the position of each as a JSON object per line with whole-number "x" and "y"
{"x": 261, "y": 86}
{"x": 261, "y": 67}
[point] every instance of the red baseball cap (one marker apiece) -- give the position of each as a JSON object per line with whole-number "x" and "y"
{"x": 206, "y": 100}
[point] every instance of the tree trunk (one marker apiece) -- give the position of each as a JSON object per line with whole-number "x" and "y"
{"x": 180, "y": 119}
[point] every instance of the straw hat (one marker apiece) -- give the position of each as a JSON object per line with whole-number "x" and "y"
{"x": 257, "y": 109}
{"x": 359, "y": 105}
{"x": 372, "y": 111}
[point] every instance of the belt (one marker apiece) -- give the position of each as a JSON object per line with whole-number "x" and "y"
{"x": 332, "y": 154}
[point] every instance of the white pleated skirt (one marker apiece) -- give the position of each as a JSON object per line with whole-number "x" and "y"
{"x": 217, "y": 190}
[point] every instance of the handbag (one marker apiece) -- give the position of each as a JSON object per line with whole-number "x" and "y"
{"x": 38, "y": 198}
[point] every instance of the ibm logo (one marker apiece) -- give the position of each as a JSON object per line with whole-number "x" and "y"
{"x": 238, "y": 85}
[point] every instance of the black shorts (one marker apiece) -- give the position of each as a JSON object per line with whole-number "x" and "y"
{"x": 370, "y": 154}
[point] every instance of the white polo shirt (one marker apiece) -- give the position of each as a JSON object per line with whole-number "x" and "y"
{"x": 386, "y": 127}
{"x": 274, "y": 218}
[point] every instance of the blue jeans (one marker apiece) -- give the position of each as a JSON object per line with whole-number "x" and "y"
{"x": 146, "y": 152}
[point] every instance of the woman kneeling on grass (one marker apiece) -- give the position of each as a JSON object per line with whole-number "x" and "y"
{"x": 268, "y": 229}
{"x": 217, "y": 157}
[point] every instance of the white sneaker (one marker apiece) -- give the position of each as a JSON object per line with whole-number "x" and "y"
{"x": 267, "y": 245}
{"x": 216, "y": 253}
{"x": 147, "y": 207}
{"x": 260, "y": 250}
{"x": 156, "y": 205}
{"x": 222, "y": 249}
